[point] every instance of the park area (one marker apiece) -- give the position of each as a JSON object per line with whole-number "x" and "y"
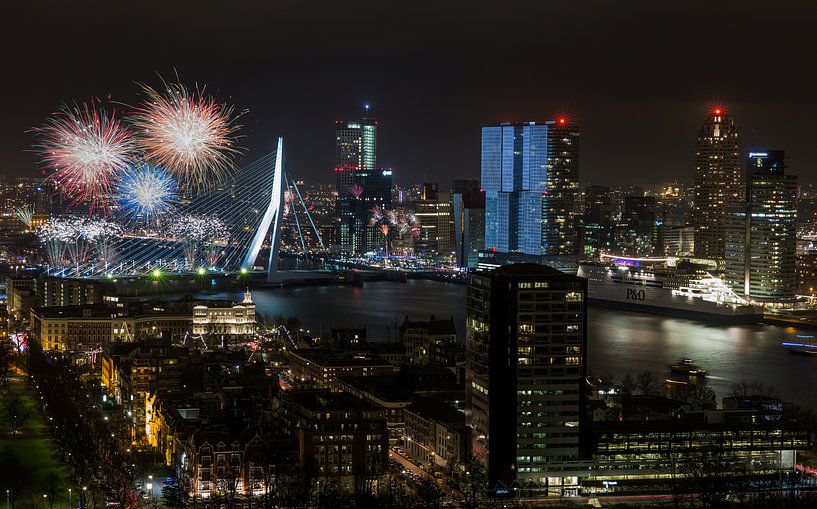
{"x": 30, "y": 470}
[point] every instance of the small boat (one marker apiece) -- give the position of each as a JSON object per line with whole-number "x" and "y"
{"x": 686, "y": 367}
{"x": 803, "y": 345}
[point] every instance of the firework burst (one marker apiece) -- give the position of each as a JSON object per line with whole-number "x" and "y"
{"x": 377, "y": 215}
{"x": 187, "y": 132}
{"x": 86, "y": 149}
{"x": 147, "y": 192}
{"x": 197, "y": 232}
{"x": 25, "y": 214}
{"x": 102, "y": 235}
{"x": 356, "y": 190}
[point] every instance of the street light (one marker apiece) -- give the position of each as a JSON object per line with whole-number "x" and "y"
{"x": 69, "y": 498}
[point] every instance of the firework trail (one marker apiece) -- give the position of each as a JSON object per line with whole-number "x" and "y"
{"x": 384, "y": 229}
{"x": 25, "y": 214}
{"x": 63, "y": 235}
{"x": 196, "y": 232}
{"x": 147, "y": 192}
{"x": 356, "y": 190}
{"x": 187, "y": 132}
{"x": 377, "y": 215}
{"x": 102, "y": 234}
{"x": 86, "y": 149}
{"x": 212, "y": 254}
{"x": 51, "y": 235}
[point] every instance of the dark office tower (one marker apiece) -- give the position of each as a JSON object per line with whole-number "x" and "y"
{"x": 530, "y": 177}
{"x": 526, "y": 360}
{"x": 559, "y": 214}
{"x": 595, "y": 232}
{"x": 376, "y": 188}
{"x": 460, "y": 186}
{"x": 638, "y": 226}
{"x": 761, "y": 235}
{"x": 355, "y": 150}
{"x": 468, "y": 210}
{"x": 718, "y": 182}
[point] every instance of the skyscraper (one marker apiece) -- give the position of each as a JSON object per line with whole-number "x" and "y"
{"x": 718, "y": 181}
{"x": 375, "y": 191}
{"x": 761, "y": 234}
{"x": 468, "y": 209}
{"x": 559, "y": 214}
{"x": 526, "y": 359}
{"x": 433, "y": 212}
{"x": 355, "y": 150}
{"x": 595, "y": 232}
{"x": 530, "y": 177}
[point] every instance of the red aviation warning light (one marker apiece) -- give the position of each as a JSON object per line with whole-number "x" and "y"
{"x": 717, "y": 111}
{"x": 561, "y": 121}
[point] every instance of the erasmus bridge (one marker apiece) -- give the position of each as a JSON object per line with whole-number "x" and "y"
{"x": 223, "y": 231}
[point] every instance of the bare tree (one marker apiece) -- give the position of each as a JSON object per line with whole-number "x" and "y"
{"x": 17, "y": 476}
{"x": 53, "y": 487}
{"x": 16, "y": 410}
{"x": 696, "y": 394}
{"x": 429, "y": 493}
{"x": 6, "y": 361}
{"x": 711, "y": 475}
{"x": 471, "y": 485}
{"x": 627, "y": 385}
{"x": 751, "y": 388}
{"x": 648, "y": 384}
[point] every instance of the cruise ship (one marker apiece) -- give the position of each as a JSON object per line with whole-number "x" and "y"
{"x": 668, "y": 286}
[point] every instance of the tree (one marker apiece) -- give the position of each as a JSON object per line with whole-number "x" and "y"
{"x": 471, "y": 484}
{"x": 711, "y": 475}
{"x": 6, "y": 361}
{"x": 648, "y": 384}
{"x": 751, "y": 388}
{"x": 16, "y": 475}
{"x": 429, "y": 493}
{"x": 53, "y": 487}
{"x": 16, "y": 410}
{"x": 627, "y": 385}
{"x": 696, "y": 394}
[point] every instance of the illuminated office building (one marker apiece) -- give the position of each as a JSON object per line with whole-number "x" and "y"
{"x": 761, "y": 234}
{"x": 718, "y": 182}
{"x": 355, "y": 150}
{"x": 525, "y": 368}
{"x": 433, "y": 213}
{"x": 530, "y": 176}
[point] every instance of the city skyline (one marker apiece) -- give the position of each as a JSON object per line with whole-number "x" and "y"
{"x": 363, "y": 254}
{"x": 657, "y": 87}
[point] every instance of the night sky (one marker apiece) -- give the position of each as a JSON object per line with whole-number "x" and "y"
{"x": 638, "y": 77}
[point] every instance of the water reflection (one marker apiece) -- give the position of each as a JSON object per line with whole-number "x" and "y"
{"x": 619, "y": 342}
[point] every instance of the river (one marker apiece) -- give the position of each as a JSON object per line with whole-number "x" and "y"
{"x": 619, "y": 342}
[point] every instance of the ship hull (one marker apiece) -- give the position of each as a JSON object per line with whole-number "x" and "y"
{"x": 689, "y": 311}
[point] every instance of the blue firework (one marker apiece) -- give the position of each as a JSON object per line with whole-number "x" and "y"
{"x": 146, "y": 192}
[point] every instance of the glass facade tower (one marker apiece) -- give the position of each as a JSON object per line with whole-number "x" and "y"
{"x": 761, "y": 233}
{"x": 355, "y": 151}
{"x": 529, "y": 174}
